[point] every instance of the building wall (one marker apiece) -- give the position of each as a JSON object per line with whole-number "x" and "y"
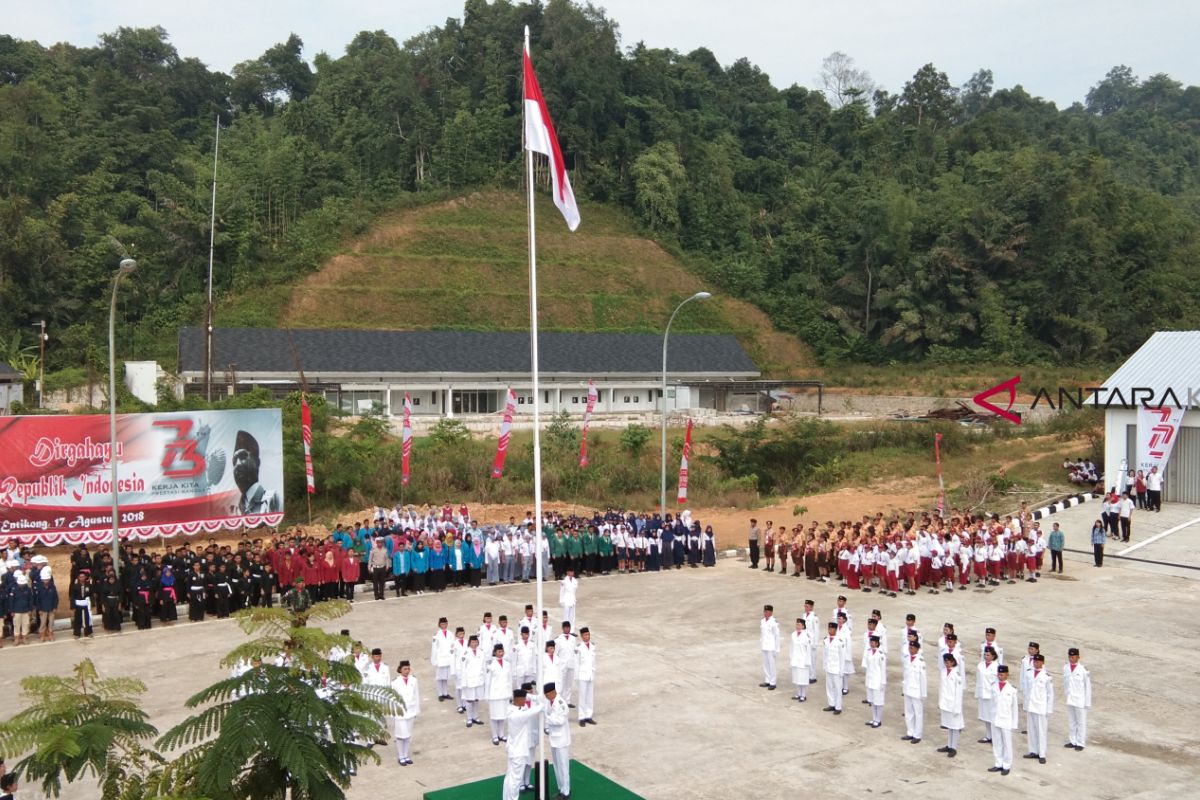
{"x": 11, "y": 393}
{"x": 1182, "y": 475}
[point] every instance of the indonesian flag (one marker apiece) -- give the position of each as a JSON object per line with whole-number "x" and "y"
{"x": 407, "y": 439}
{"x": 593, "y": 395}
{"x": 937, "y": 454}
{"x": 541, "y": 138}
{"x": 306, "y": 432}
{"x": 683, "y": 463}
{"x": 505, "y": 432}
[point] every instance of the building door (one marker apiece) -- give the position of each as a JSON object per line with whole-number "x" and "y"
{"x": 474, "y": 402}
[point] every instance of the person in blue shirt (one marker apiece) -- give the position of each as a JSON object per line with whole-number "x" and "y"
{"x": 1098, "y": 536}
{"x": 473, "y": 553}
{"x": 401, "y": 569}
{"x": 20, "y": 604}
{"x": 420, "y": 568}
{"x": 437, "y": 566}
{"x": 1055, "y": 544}
{"x": 47, "y": 601}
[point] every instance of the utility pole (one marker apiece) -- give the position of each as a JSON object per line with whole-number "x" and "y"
{"x": 208, "y": 309}
{"x": 41, "y": 364}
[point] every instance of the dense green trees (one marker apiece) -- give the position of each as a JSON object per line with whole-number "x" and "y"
{"x": 931, "y": 222}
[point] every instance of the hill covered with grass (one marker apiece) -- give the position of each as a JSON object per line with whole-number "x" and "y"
{"x": 463, "y": 264}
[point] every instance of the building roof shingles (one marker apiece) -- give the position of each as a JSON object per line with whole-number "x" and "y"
{"x": 276, "y": 350}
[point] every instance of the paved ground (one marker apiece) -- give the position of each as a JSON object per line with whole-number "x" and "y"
{"x": 1163, "y": 542}
{"x": 680, "y": 714}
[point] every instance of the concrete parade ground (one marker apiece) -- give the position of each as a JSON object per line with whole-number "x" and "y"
{"x": 678, "y": 707}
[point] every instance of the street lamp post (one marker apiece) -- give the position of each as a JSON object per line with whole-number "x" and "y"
{"x": 127, "y": 266}
{"x": 41, "y": 326}
{"x": 662, "y": 504}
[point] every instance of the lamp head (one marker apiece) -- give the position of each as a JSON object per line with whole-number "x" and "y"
{"x": 127, "y": 266}
{"x": 701, "y": 295}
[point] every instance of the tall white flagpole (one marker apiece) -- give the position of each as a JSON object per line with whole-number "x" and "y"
{"x": 537, "y": 436}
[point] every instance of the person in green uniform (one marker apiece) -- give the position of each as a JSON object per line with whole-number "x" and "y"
{"x": 558, "y": 554}
{"x": 574, "y": 551}
{"x": 589, "y": 551}
{"x": 604, "y": 546}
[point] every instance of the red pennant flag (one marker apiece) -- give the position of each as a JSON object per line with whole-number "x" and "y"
{"x": 505, "y": 432}
{"x": 306, "y": 432}
{"x": 683, "y": 463}
{"x": 593, "y": 395}
{"x": 541, "y": 138}
{"x": 406, "y": 451}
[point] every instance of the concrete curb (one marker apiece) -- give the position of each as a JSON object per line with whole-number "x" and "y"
{"x": 1062, "y": 505}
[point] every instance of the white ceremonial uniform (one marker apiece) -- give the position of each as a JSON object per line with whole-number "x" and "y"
{"x": 457, "y": 648}
{"x": 950, "y": 698}
{"x": 812, "y": 623}
{"x": 558, "y": 722}
{"x": 585, "y": 656}
{"x": 567, "y": 590}
{"x": 377, "y": 675}
{"x": 768, "y": 642}
{"x": 1005, "y": 720}
{"x": 410, "y": 694}
{"x": 874, "y": 664}
{"x": 985, "y": 694}
{"x": 551, "y": 672}
{"x": 1077, "y": 691}
{"x": 564, "y": 653}
{"x": 834, "y": 655}
{"x": 473, "y": 672}
{"x": 995, "y": 645}
{"x": 441, "y": 656}
{"x": 522, "y": 723}
{"x": 801, "y": 659}
{"x": 525, "y": 659}
{"x": 507, "y": 637}
{"x": 916, "y": 689}
{"x": 499, "y": 693}
{"x": 487, "y": 636}
{"x": 847, "y": 656}
{"x": 1039, "y": 705}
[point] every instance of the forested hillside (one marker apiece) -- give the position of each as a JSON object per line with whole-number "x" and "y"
{"x": 923, "y": 221}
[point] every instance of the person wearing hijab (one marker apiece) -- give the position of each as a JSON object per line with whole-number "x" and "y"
{"x": 710, "y": 547}
{"x": 109, "y": 591}
{"x": 168, "y": 597}
{"x": 142, "y": 587}
{"x": 693, "y": 541}
{"x": 47, "y": 602}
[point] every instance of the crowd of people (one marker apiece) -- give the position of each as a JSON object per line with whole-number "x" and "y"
{"x": 407, "y": 549}
{"x": 492, "y": 669}
{"x": 1000, "y": 686}
{"x": 903, "y": 555}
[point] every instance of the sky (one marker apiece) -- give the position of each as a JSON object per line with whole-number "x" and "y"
{"x": 1056, "y": 49}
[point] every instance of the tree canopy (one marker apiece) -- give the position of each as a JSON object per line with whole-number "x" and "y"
{"x": 930, "y": 222}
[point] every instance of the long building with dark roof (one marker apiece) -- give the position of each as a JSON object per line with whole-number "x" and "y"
{"x": 467, "y": 372}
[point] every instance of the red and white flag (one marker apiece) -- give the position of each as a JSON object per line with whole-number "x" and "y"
{"x": 510, "y": 408}
{"x": 937, "y": 454}
{"x": 406, "y": 445}
{"x": 683, "y": 463}
{"x": 593, "y": 395}
{"x": 306, "y": 432}
{"x": 541, "y": 138}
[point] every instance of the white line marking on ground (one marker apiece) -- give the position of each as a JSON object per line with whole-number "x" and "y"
{"x": 1156, "y": 537}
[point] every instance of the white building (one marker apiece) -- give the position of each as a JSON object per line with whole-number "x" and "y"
{"x": 452, "y": 373}
{"x": 12, "y": 388}
{"x": 1164, "y": 371}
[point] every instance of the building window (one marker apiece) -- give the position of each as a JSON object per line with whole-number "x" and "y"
{"x": 626, "y": 398}
{"x": 520, "y": 400}
{"x": 474, "y": 402}
{"x": 546, "y": 397}
{"x": 416, "y": 401}
{"x": 575, "y": 399}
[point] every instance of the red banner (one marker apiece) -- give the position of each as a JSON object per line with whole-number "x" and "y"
{"x": 510, "y": 408}
{"x": 406, "y": 445}
{"x": 306, "y": 432}
{"x": 937, "y": 454}
{"x": 181, "y": 473}
{"x": 593, "y": 395}
{"x": 683, "y": 463}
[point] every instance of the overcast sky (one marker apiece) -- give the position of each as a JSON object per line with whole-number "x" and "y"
{"x": 1056, "y": 49}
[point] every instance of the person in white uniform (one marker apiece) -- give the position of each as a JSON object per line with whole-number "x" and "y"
{"x": 551, "y": 671}
{"x": 473, "y": 671}
{"x": 458, "y": 648}
{"x": 567, "y": 590}
{"x": 874, "y": 664}
{"x": 916, "y": 689}
{"x": 565, "y": 647}
{"x": 950, "y": 702}
{"x": 407, "y": 688}
{"x": 801, "y": 659}
{"x": 1077, "y": 690}
{"x": 985, "y": 691}
{"x": 834, "y": 655}
{"x": 1004, "y": 722}
{"x": 441, "y": 656}
{"x": 377, "y": 673}
{"x": 522, "y": 721}
{"x": 558, "y": 723}
{"x": 1039, "y": 705}
{"x": 525, "y": 659}
{"x": 812, "y": 624}
{"x": 499, "y": 692}
{"x": 768, "y": 642}
{"x": 585, "y": 667}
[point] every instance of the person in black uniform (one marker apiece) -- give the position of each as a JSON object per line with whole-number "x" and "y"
{"x": 109, "y": 592}
{"x": 81, "y": 604}
{"x": 196, "y": 591}
{"x": 223, "y": 592}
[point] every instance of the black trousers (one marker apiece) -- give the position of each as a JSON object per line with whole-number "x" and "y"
{"x": 1056, "y": 560}
{"x": 81, "y": 621}
{"x": 1098, "y": 553}
{"x": 1154, "y": 499}
{"x": 754, "y": 553}
{"x": 378, "y": 579}
{"x": 1125, "y": 529}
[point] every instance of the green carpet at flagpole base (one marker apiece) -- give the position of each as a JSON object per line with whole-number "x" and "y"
{"x": 586, "y": 784}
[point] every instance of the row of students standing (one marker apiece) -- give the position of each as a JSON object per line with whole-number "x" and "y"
{"x": 997, "y": 697}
